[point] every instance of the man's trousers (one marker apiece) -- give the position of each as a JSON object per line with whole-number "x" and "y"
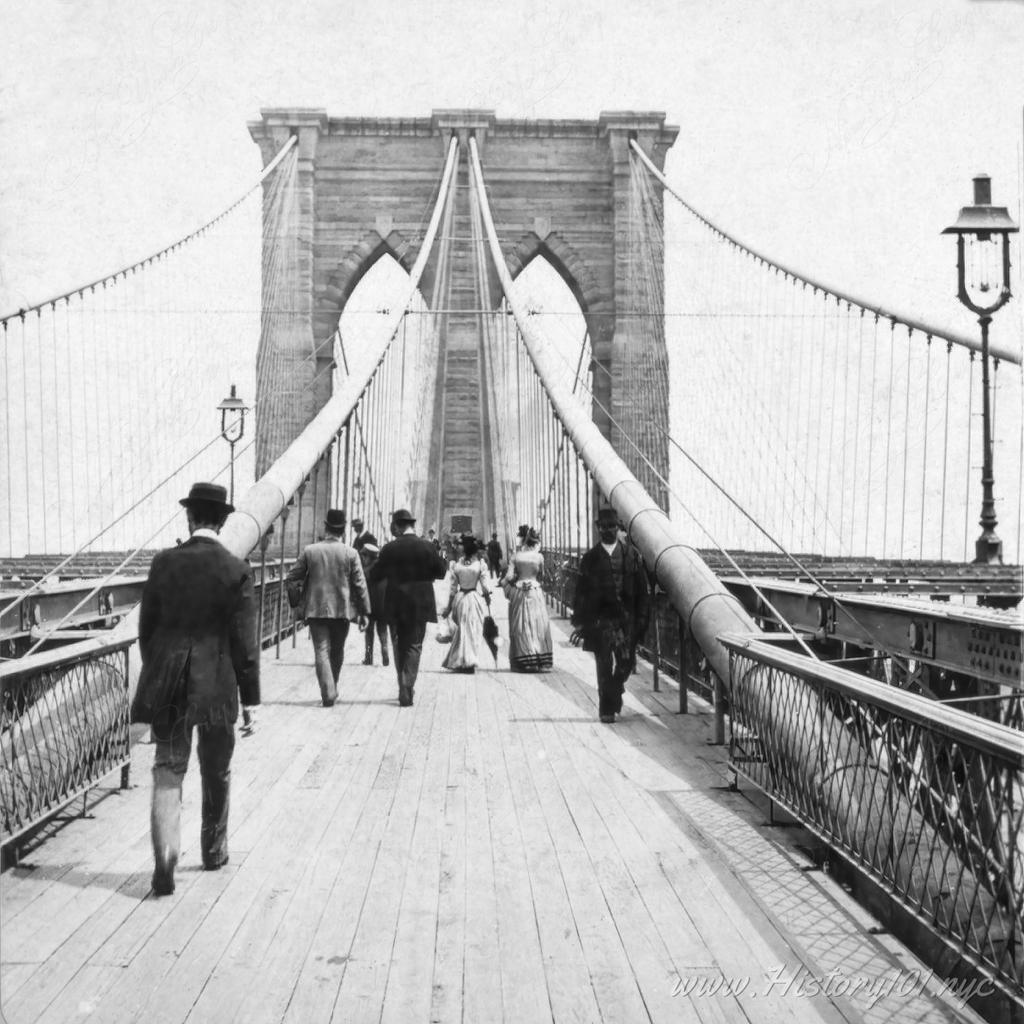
{"x": 407, "y": 645}
{"x": 613, "y": 669}
{"x": 329, "y": 636}
{"x": 214, "y": 747}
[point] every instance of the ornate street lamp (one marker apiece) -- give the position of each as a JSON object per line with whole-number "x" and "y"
{"x": 232, "y": 428}
{"x": 983, "y": 271}
{"x": 357, "y": 497}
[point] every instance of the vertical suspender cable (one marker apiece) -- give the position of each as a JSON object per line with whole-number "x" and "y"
{"x": 692, "y": 586}
{"x": 970, "y": 437}
{"x": 945, "y": 455}
{"x": 906, "y": 449}
{"x": 924, "y": 455}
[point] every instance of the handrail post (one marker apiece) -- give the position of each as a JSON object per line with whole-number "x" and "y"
{"x": 280, "y": 583}
{"x": 264, "y": 544}
{"x": 684, "y": 668}
{"x": 657, "y": 639}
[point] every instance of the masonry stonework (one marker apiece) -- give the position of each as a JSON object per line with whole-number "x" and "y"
{"x": 557, "y": 188}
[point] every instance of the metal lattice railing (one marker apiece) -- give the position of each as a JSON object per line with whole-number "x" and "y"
{"x": 63, "y": 727}
{"x": 924, "y": 799}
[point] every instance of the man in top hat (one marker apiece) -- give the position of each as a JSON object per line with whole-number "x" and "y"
{"x": 408, "y": 566}
{"x": 609, "y": 612}
{"x": 197, "y": 637}
{"x": 327, "y": 588}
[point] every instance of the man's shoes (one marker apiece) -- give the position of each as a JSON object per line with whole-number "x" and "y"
{"x": 405, "y": 696}
{"x": 608, "y": 719}
{"x": 368, "y": 660}
{"x": 329, "y": 703}
{"x": 385, "y": 661}
{"x": 163, "y": 883}
{"x": 214, "y": 865}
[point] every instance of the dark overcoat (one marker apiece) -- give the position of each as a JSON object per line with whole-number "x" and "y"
{"x": 197, "y": 636}
{"x": 408, "y": 566}
{"x": 599, "y": 605}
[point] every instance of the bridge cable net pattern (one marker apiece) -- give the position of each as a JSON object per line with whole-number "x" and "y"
{"x": 833, "y": 747}
{"x": 846, "y": 428}
{"x": 43, "y": 692}
{"x": 110, "y": 386}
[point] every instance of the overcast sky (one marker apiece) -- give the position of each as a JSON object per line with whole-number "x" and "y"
{"x": 839, "y": 139}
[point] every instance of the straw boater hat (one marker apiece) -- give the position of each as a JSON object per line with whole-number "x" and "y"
{"x": 208, "y": 494}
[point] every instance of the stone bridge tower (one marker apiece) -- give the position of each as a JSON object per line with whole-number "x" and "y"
{"x": 558, "y": 189}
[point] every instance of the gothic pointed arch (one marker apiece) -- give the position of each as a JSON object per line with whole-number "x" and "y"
{"x": 595, "y": 303}
{"x": 351, "y": 270}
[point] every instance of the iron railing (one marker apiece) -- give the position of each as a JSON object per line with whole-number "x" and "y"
{"x": 925, "y": 800}
{"x": 63, "y": 727}
{"x": 64, "y": 721}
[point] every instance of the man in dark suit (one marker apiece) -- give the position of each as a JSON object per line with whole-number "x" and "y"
{"x": 326, "y": 587}
{"x": 361, "y": 536}
{"x": 408, "y": 566}
{"x": 197, "y": 636}
{"x": 610, "y": 610}
{"x": 494, "y": 555}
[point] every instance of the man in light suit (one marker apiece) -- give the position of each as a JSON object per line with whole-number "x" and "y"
{"x": 408, "y": 566}
{"x": 327, "y": 588}
{"x": 197, "y": 637}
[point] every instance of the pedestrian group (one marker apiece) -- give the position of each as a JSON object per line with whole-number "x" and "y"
{"x": 200, "y": 650}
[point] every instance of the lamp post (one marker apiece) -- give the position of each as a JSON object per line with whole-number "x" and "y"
{"x": 983, "y": 272}
{"x": 357, "y": 497}
{"x": 232, "y": 428}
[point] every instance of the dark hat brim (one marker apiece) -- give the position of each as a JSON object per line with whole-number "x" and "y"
{"x": 209, "y": 502}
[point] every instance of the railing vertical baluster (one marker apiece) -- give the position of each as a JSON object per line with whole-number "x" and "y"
{"x": 345, "y": 501}
{"x": 719, "y": 700}
{"x": 298, "y": 546}
{"x": 657, "y": 638}
{"x": 684, "y": 668}
{"x": 280, "y": 584}
{"x": 264, "y": 544}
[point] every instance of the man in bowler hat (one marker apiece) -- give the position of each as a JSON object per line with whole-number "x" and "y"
{"x": 407, "y": 566}
{"x": 610, "y": 611}
{"x": 197, "y": 636}
{"x": 327, "y": 588}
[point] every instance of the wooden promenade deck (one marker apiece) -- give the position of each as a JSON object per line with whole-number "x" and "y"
{"x": 492, "y": 854}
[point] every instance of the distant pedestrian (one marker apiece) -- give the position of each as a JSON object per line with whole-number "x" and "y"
{"x": 529, "y": 628}
{"x": 468, "y": 601}
{"x": 408, "y": 566}
{"x": 197, "y": 637}
{"x": 610, "y": 610}
{"x": 326, "y": 587}
{"x": 433, "y": 539}
{"x": 494, "y": 556}
{"x": 368, "y": 555}
{"x": 361, "y": 536}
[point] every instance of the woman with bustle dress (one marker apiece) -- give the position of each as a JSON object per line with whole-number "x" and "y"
{"x": 467, "y": 606}
{"x": 529, "y": 630}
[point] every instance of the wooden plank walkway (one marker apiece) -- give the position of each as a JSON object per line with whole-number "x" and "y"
{"x": 492, "y": 854}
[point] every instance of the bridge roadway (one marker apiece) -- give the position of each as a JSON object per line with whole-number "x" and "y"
{"x": 493, "y": 854}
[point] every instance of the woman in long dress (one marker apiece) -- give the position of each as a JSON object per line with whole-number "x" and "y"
{"x": 529, "y": 630}
{"x": 467, "y": 606}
